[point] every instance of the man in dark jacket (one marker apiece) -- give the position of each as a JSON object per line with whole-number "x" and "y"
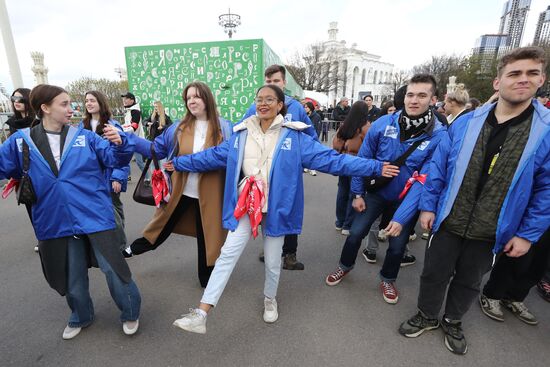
{"x": 374, "y": 111}
{"x": 341, "y": 110}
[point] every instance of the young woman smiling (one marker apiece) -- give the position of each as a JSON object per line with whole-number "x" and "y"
{"x": 266, "y": 155}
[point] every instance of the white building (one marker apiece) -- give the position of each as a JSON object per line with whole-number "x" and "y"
{"x": 362, "y": 73}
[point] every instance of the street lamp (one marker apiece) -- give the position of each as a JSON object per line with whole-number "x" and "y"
{"x": 229, "y": 22}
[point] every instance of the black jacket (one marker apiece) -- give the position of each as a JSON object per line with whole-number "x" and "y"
{"x": 15, "y": 124}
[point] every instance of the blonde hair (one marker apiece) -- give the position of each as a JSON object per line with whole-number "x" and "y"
{"x": 460, "y": 95}
{"x": 161, "y": 114}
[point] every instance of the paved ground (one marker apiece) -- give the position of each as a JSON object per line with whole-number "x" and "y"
{"x": 346, "y": 325}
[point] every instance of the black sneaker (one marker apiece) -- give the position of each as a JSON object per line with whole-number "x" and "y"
{"x": 290, "y": 263}
{"x": 417, "y": 324}
{"x": 454, "y": 338}
{"x": 370, "y": 257}
{"x": 408, "y": 260}
{"x": 127, "y": 252}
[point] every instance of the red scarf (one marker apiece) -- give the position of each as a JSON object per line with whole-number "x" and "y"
{"x": 160, "y": 188}
{"x": 12, "y": 185}
{"x": 415, "y": 177}
{"x": 251, "y": 201}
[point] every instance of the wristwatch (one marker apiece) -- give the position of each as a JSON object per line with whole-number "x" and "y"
{"x": 358, "y": 196}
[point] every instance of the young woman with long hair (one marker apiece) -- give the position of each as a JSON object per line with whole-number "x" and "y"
{"x": 266, "y": 155}
{"x": 195, "y": 205}
{"x": 97, "y": 115}
{"x": 348, "y": 140}
{"x": 23, "y": 115}
{"x": 72, "y": 216}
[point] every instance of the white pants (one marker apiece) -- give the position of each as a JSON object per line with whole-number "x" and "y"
{"x": 231, "y": 251}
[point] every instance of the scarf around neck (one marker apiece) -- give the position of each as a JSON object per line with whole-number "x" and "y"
{"x": 412, "y": 126}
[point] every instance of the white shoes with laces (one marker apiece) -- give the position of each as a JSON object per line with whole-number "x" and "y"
{"x": 270, "y": 310}
{"x": 193, "y": 322}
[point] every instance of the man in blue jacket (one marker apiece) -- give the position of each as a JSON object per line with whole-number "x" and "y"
{"x": 276, "y": 74}
{"x": 417, "y": 131}
{"x": 487, "y": 191}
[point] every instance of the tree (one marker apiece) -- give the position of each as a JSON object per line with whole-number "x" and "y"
{"x": 442, "y": 67}
{"x": 316, "y": 68}
{"x": 112, "y": 89}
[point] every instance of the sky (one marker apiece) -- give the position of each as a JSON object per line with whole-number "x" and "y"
{"x": 87, "y": 38}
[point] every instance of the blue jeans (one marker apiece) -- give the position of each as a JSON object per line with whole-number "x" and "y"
{"x": 141, "y": 165}
{"x": 361, "y": 227}
{"x": 126, "y": 296}
{"x": 344, "y": 199}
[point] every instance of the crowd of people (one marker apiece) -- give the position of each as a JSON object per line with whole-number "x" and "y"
{"x": 477, "y": 178}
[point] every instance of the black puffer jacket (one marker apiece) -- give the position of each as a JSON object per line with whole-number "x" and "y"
{"x": 15, "y": 124}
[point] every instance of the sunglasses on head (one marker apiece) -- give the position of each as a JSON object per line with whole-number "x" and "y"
{"x": 17, "y": 99}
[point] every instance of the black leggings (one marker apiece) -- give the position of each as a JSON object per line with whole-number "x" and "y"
{"x": 141, "y": 245}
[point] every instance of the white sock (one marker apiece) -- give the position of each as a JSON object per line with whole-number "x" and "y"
{"x": 202, "y": 312}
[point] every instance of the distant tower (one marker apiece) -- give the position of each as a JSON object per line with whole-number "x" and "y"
{"x": 512, "y": 21}
{"x": 39, "y": 70}
{"x": 542, "y": 34}
{"x": 333, "y": 31}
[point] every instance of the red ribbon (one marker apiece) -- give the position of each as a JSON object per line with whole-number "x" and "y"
{"x": 160, "y": 188}
{"x": 12, "y": 185}
{"x": 415, "y": 177}
{"x": 251, "y": 201}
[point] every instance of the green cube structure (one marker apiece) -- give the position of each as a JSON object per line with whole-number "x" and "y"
{"x": 233, "y": 70}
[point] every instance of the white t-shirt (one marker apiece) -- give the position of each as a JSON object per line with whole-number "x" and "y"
{"x": 191, "y": 188}
{"x": 93, "y": 124}
{"x": 55, "y": 145}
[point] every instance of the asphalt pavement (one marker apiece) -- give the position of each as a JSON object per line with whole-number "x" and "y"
{"x": 345, "y": 325}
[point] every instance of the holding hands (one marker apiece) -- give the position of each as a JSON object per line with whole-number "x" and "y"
{"x": 389, "y": 170}
{"x": 111, "y": 134}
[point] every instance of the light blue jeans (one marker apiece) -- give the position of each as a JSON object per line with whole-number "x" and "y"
{"x": 231, "y": 252}
{"x": 126, "y": 296}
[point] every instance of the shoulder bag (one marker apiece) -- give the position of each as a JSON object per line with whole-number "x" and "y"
{"x": 143, "y": 193}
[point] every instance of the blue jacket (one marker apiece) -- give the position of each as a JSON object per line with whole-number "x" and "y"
{"x": 383, "y": 143}
{"x": 165, "y": 143}
{"x": 77, "y": 201}
{"x": 115, "y": 174}
{"x": 293, "y": 151}
{"x": 525, "y": 212}
{"x": 295, "y": 112}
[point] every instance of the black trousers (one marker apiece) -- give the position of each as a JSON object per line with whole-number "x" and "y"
{"x": 290, "y": 246}
{"x": 141, "y": 245}
{"x": 513, "y": 277}
{"x": 455, "y": 262}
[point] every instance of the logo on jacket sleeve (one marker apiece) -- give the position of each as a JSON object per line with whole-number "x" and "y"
{"x": 236, "y": 145}
{"x": 80, "y": 141}
{"x": 287, "y": 144}
{"x": 424, "y": 145}
{"x": 391, "y": 132}
{"x": 19, "y": 142}
{"x": 288, "y": 117}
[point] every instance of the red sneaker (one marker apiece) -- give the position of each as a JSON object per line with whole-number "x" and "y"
{"x": 389, "y": 292}
{"x": 336, "y": 276}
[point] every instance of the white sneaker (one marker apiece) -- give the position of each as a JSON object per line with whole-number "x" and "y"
{"x": 193, "y": 322}
{"x": 313, "y": 172}
{"x": 345, "y": 232}
{"x": 412, "y": 237}
{"x": 270, "y": 310}
{"x": 130, "y": 327}
{"x": 71, "y": 332}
